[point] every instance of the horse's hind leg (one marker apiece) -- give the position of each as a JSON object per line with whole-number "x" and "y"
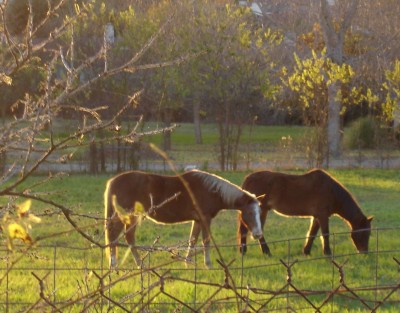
{"x": 312, "y": 232}
{"x": 194, "y": 234}
{"x": 205, "y": 230}
{"x": 130, "y": 239}
{"x": 114, "y": 229}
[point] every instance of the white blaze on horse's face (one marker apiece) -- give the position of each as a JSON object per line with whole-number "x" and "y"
{"x": 251, "y": 217}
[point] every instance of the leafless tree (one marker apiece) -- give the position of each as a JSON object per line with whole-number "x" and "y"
{"x": 30, "y": 134}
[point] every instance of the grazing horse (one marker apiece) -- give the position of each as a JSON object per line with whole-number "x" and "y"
{"x": 315, "y": 194}
{"x": 193, "y": 196}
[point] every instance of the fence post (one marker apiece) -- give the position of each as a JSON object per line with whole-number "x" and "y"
{"x": 7, "y": 269}
{"x": 54, "y": 272}
{"x": 376, "y": 263}
{"x": 288, "y": 286}
{"x": 102, "y": 275}
{"x": 242, "y": 274}
{"x": 195, "y": 278}
{"x": 148, "y": 283}
{"x": 333, "y": 271}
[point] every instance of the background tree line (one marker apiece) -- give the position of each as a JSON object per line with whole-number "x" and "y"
{"x": 319, "y": 63}
{"x": 100, "y": 63}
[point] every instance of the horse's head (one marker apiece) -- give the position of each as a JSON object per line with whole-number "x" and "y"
{"x": 250, "y": 215}
{"x": 361, "y": 235}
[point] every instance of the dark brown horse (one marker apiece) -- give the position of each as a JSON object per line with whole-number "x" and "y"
{"x": 315, "y": 194}
{"x": 193, "y": 196}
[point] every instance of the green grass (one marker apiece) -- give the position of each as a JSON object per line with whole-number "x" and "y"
{"x": 184, "y": 134}
{"x": 378, "y": 192}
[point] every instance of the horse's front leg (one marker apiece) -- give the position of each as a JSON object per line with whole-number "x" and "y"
{"x": 113, "y": 229}
{"x": 243, "y": 231}
{"x": 194, "y": 234}
{"x": 130, "y": 239}
{"x": 205, "y": 228}
{"x": 242, "y": 236}
{"x": 312, "y": 232}
{"x": 324, "y": 223}
{"x": 263, "y": 243}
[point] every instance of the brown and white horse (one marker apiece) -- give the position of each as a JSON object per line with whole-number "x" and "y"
{"x": 315, "y": 194}
{"x": 194, "y": 196}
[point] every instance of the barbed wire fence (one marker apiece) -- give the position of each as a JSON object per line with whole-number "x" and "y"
{"x": 42, "y": 281}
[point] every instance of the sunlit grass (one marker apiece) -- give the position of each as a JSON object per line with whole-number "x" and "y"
{"x": 76, "y": 259}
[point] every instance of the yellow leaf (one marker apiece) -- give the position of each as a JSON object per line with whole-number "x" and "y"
{"x": 16, "y": 231}
{"x": 124, "y": 218}
{"x": 23, "y": 208}
{"x": 139, "y": 211}
{"x": 5, "y": 79}
{"x": 138, "y": 208}
{"x": 34, "y": 218}
{"x": 127, "y": 218}
{"x": 5, "y": 217}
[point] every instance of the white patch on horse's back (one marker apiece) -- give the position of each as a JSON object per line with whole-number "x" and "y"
{"x": 228, "y": 191}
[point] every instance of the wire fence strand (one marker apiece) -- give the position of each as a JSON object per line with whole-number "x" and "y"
{"x": 288, "y": 283}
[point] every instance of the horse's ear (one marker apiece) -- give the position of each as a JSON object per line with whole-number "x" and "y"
{"x": 242, "y": 201}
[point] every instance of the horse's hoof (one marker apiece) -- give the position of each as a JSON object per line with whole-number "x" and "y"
{"x": 306, "y": 251}
{"x": 267, "y": 252}
{"x": 209, "y": 266}
{"x": 140, "y": 265}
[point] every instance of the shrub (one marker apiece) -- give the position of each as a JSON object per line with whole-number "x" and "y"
{"x": 362, "y": 133}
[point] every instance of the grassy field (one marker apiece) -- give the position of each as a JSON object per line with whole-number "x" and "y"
{"x": 184, "y": 134}
{"x": 69, "y": 271}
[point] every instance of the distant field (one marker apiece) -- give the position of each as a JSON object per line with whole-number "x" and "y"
{"x": 184, "y": 134}
{"x": 282, "y": 147}
{"x": 378, "y": 192}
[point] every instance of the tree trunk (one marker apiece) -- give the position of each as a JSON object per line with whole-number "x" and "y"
{"x": 333, "y": 127}
{"x": 3, "y": 160}
{"x": 396, "y": 117}
{"x": 334, "y": 49}
{"x": 222, "y": 144}
{"x": 196, "y": 121}
{"x": 93, "y": 157}
{"x": 167, "y": 134}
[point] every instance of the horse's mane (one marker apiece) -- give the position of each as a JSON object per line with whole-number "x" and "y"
{"x": 343, "y": 195}
{"x": 214, "y": 183}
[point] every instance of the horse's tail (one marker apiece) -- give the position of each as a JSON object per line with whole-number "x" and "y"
{"x": 109, "y": 212}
